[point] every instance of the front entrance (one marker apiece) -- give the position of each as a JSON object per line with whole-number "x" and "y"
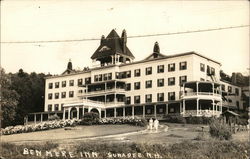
{"x": 73, "y": 113}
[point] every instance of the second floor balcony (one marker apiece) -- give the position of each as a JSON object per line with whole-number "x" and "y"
{"x": 102, "y": 88}
{"x": 201, "y": 89}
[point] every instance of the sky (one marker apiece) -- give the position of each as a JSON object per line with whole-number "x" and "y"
{"x": 42, "y": 20}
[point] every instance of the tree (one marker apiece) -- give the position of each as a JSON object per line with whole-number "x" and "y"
{"x": 9, "y": 100}
{"x": 30, "y": 87}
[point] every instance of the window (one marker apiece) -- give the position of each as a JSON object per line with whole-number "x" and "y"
{"x": 56, "y": 106}
{"x": 160, "y": 69}
{"x": 137, "y": 85}
{"x": 105, "y": 77}
{"x": 71, "y": 94}
{"x": 148, "y": 70}
{"x": 96, "y": 78}
{"x": 128, "y": 100}
{"x": 128, "y": 74}
{"x": 137, "y": 99}
{"x": 160, "y": 82}
{"x": 50, "y": 107}
{"x": 137, "y": 73}
{"x": 148, "y": 98}
{"x": 171, "y": 67}
{"x": 160, "y": 97}
{"x": 50, "y": 85}
{"x": 99, "y": 77}
{"x": 229, "y": 89}
{"x": 88, "y": 80}
{"x": 183, "y": 65}
{"x": 223, "y": 87}
{"x": 182, "y": 80}
{"x": 79, "y": 82}
{"x": 202, "y": 67}
{"x": 71, "y": 83}
{"x": 56, "y": 95}
{"x": 212, "y": 71}
{"x": 57, "y": 85}
{"x": 63, "y": 95}
{"x": 109, "y": 76}
{"x": 63, "y": 83}
{"x": 62, "y": 106}
{"x": 118, "y": 75}
{"x": 50, "y": 96}
{"x": 236, "y": 91}
{"x": 148, "y": 84}
{"x": 128, "y": 86}
{"x": 171, "y": 81}
{"x": 171, "y": 95}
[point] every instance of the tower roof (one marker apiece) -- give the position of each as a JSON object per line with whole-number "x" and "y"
{"x": 111, "y": 45}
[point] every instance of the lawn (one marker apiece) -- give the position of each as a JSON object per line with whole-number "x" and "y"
{"x": 78, "y": 132}
{"x": 170, "y": 141}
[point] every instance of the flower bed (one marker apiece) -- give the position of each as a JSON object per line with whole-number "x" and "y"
{"x": 126, "y": 120}
{"x": 39, "y": 126}
{"x": 66, "y": 123}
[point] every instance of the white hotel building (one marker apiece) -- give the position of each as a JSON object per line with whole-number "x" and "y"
{"x": 187, "y": 83}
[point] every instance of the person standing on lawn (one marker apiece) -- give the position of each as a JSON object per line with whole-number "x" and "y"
{"x": 150, "y": 124}
{"x": 156, "y": 124}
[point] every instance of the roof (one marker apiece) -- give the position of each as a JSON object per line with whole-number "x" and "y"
{"x": 171, "y": 56}
{"x": 111, "y": 45}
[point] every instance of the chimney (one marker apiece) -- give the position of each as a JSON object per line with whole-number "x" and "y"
{"x": 102, "y": 39}
{"x": 124, "y": 40}
{"x": 156, "y": 47}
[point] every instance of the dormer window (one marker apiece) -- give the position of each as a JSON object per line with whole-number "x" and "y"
{"x": 104, "y": 48}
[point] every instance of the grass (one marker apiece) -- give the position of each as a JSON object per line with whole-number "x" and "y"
{"x": 75, "y": 133}
{"x": 187, "y": 149}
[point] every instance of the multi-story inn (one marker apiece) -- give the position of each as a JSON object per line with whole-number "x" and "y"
{"x": 116, "y": 86}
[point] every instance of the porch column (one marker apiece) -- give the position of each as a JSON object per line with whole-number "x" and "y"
{"x": 77, "y": 113}
{"x": 41, "y": 117}
{"x": 105, "y": 113}
{"x": 143, "y": 111}
{"x": 155, "y": 110}
{"x": 133, "y": 111}
{"x": 213, "y": 88}
{"x": 64, "y": 111}
{"x": 100, "y": 113}
{"x": 69, "y": 112}
{"x": 115, "y": 112}
{"x": 35, "y": 118}
{"x": 184, "y": 107}
{"x": 213, "y": 106}
{"x": 123, "y": 112}
{"x": 197, "y": 106}
{"x": 197, "y": 89}
{"x": 83, "y": 111}
{"x": 88, "y": 109}
{"x": 181, "y": 107}
{"x": 166, "y": 109}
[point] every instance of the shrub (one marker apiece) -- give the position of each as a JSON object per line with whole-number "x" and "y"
{"x": 53, "y": 117}
{"x": 90, "y": 118}
{"x": 219, "y": 130}
{"x": 175, "y": 118}
{"x": 198, "y": 120}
